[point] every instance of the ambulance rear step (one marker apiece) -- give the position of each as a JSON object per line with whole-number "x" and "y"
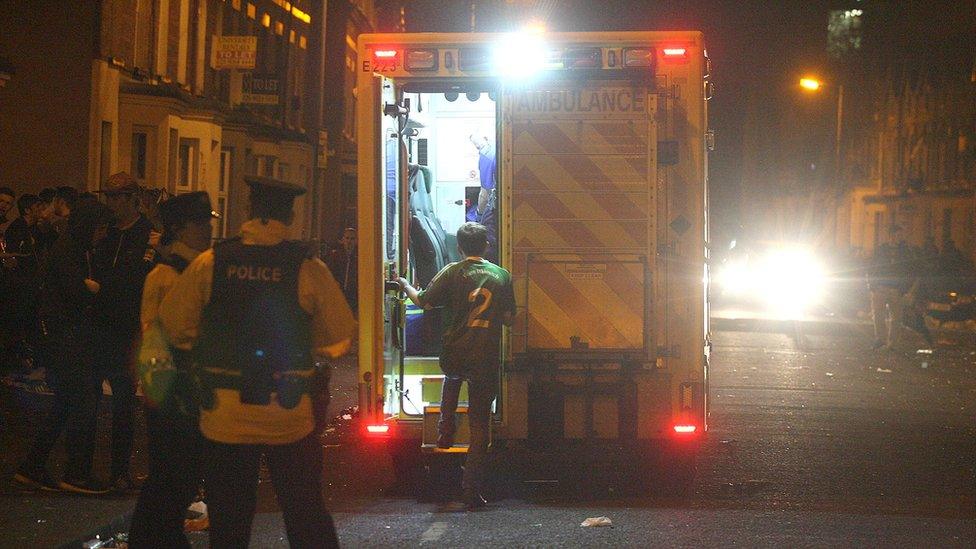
{"x": 462, "y": 436}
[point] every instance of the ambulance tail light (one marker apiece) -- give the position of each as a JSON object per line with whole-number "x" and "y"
{"x": 674, "y": 54}
{"x": 379, "y": 430}
{"x": 385, "y": 59}
{"x": 638, "y": 57}
{"x": 685, "y": 429}
{"x": 420, "y": 60}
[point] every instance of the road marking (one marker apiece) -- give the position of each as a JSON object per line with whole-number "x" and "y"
{"x": 434, "y": 533}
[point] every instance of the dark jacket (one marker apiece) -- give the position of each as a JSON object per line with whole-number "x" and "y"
{"x": 121, "y": 266}
{"x": 64, "y": 299}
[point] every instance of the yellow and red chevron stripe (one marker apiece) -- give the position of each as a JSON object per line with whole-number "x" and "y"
{"x": 582, "y": 221}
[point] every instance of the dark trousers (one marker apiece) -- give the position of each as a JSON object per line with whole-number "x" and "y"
{"x": 175, "y": 473}
{"x": 73, "y": 411}
{"x": 481, "y": 393}
{"x": 296, "y": 472}
{"x": 113, "y": 363}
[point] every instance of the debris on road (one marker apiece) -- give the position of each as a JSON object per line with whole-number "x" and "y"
{"x": 748, "y": 487}
{"x": 830, "y": 374}
{"x": 884, "y": 370}
{"x": 596, "y": 521}
{"x": 197, "y": 519}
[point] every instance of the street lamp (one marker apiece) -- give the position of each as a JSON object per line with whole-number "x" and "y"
{"x": 812, "y": 84}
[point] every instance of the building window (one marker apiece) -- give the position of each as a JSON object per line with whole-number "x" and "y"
{"x": 138, "y": 160}
{"x": 226, "y": 159}
{"x": 279, "y": 28}
{"x": 143, "y": 35}
{"x": 291, "y": 37}
{"x": 252, "y": 11}
{"x": 187, "y": 169}
{"x": 173, "y": 157}
{"x": 302, "y": 42}
{"x": 946, "y": 225}
{"x": 236, "y": 4}
{"x": 105, "y": 154}
{"x": 266, "y": 20}
{"x": 222, "y": 222}
{"x": 283, "y": 171}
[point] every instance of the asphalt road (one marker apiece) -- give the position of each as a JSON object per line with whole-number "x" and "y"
{"x": 825, "y": 443}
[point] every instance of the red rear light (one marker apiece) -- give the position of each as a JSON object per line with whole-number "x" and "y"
{"x": 674, "y": 53}
{"x": 685, "y": 429}
{"x": 378, "y": 429}
{"x": 386, "y": 60}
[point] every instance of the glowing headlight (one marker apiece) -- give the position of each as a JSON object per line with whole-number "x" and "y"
{"x": 735, "y": 278}
{"x": 519, "y": 55}
{"x": 791, "y": 280}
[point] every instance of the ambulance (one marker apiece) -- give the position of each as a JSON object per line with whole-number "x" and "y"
{"x": 590, "y": 151}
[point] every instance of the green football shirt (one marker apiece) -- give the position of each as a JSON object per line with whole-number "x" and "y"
{"x": 475, "y": 295}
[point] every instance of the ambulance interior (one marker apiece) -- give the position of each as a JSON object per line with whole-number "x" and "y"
{"x": 444, "y": 184}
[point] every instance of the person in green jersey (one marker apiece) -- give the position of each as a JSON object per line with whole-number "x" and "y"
{"x": 478, "y": 300}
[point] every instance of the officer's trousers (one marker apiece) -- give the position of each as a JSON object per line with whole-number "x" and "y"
{"x": 175, "y": 470}
{"x": 231, "y": 474}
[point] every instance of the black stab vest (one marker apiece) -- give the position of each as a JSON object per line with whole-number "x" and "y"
{"x": 254, "y": 337}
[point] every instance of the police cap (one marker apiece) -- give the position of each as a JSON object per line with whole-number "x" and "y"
{"x": 186, "y": 207}
{"x": 273, "y": 189}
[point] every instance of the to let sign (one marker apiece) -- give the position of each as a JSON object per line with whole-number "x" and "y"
{"x": 235, "y": 52}
{"x": 259, "y": 90}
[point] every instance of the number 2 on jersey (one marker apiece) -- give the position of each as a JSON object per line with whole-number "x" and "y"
{"x": 474, "y": 317}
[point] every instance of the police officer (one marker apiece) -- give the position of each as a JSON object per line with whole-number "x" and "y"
{"x": 171, "y": 415}
{"x": 255, "y": 310}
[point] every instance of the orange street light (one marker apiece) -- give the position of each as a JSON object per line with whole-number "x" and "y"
{"x": 810, "y": 84}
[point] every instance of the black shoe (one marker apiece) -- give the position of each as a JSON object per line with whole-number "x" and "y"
{"x": 36, "y": 481}
{"x": 87, "y": 487}
{"x": 445, "y": 441}
{"x": 124, "y": 484}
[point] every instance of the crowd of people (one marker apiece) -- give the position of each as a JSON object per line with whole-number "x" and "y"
{"x": 122, "y": 287}
{"x": 903, "y": 279}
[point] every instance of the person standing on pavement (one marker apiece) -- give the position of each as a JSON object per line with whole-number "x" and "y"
{"x": 19, "y": 239}
{"x": 175, "y": 443}
{"x": 342, "y": 261}
{"x": 67, "y": 292}
{"x": 7, "y": 196}
{"x": 256, "y": 309}
{"x": 478, "y": 299}
{"x": 122, "y": 262}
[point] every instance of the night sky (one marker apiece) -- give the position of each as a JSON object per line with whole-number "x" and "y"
{"x": 758, "y": 49}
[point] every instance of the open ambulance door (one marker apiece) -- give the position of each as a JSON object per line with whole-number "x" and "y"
{"x": 428, "y": 169}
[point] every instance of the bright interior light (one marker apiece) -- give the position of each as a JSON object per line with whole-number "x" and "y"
{"x": 811, "y": 84}
{"x": 791, "y": 280}
{"x": 519, "y": 55}
{"x": 685, "y": 429}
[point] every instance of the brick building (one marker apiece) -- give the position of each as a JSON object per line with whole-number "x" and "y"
{"x": 134, "y": 85}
